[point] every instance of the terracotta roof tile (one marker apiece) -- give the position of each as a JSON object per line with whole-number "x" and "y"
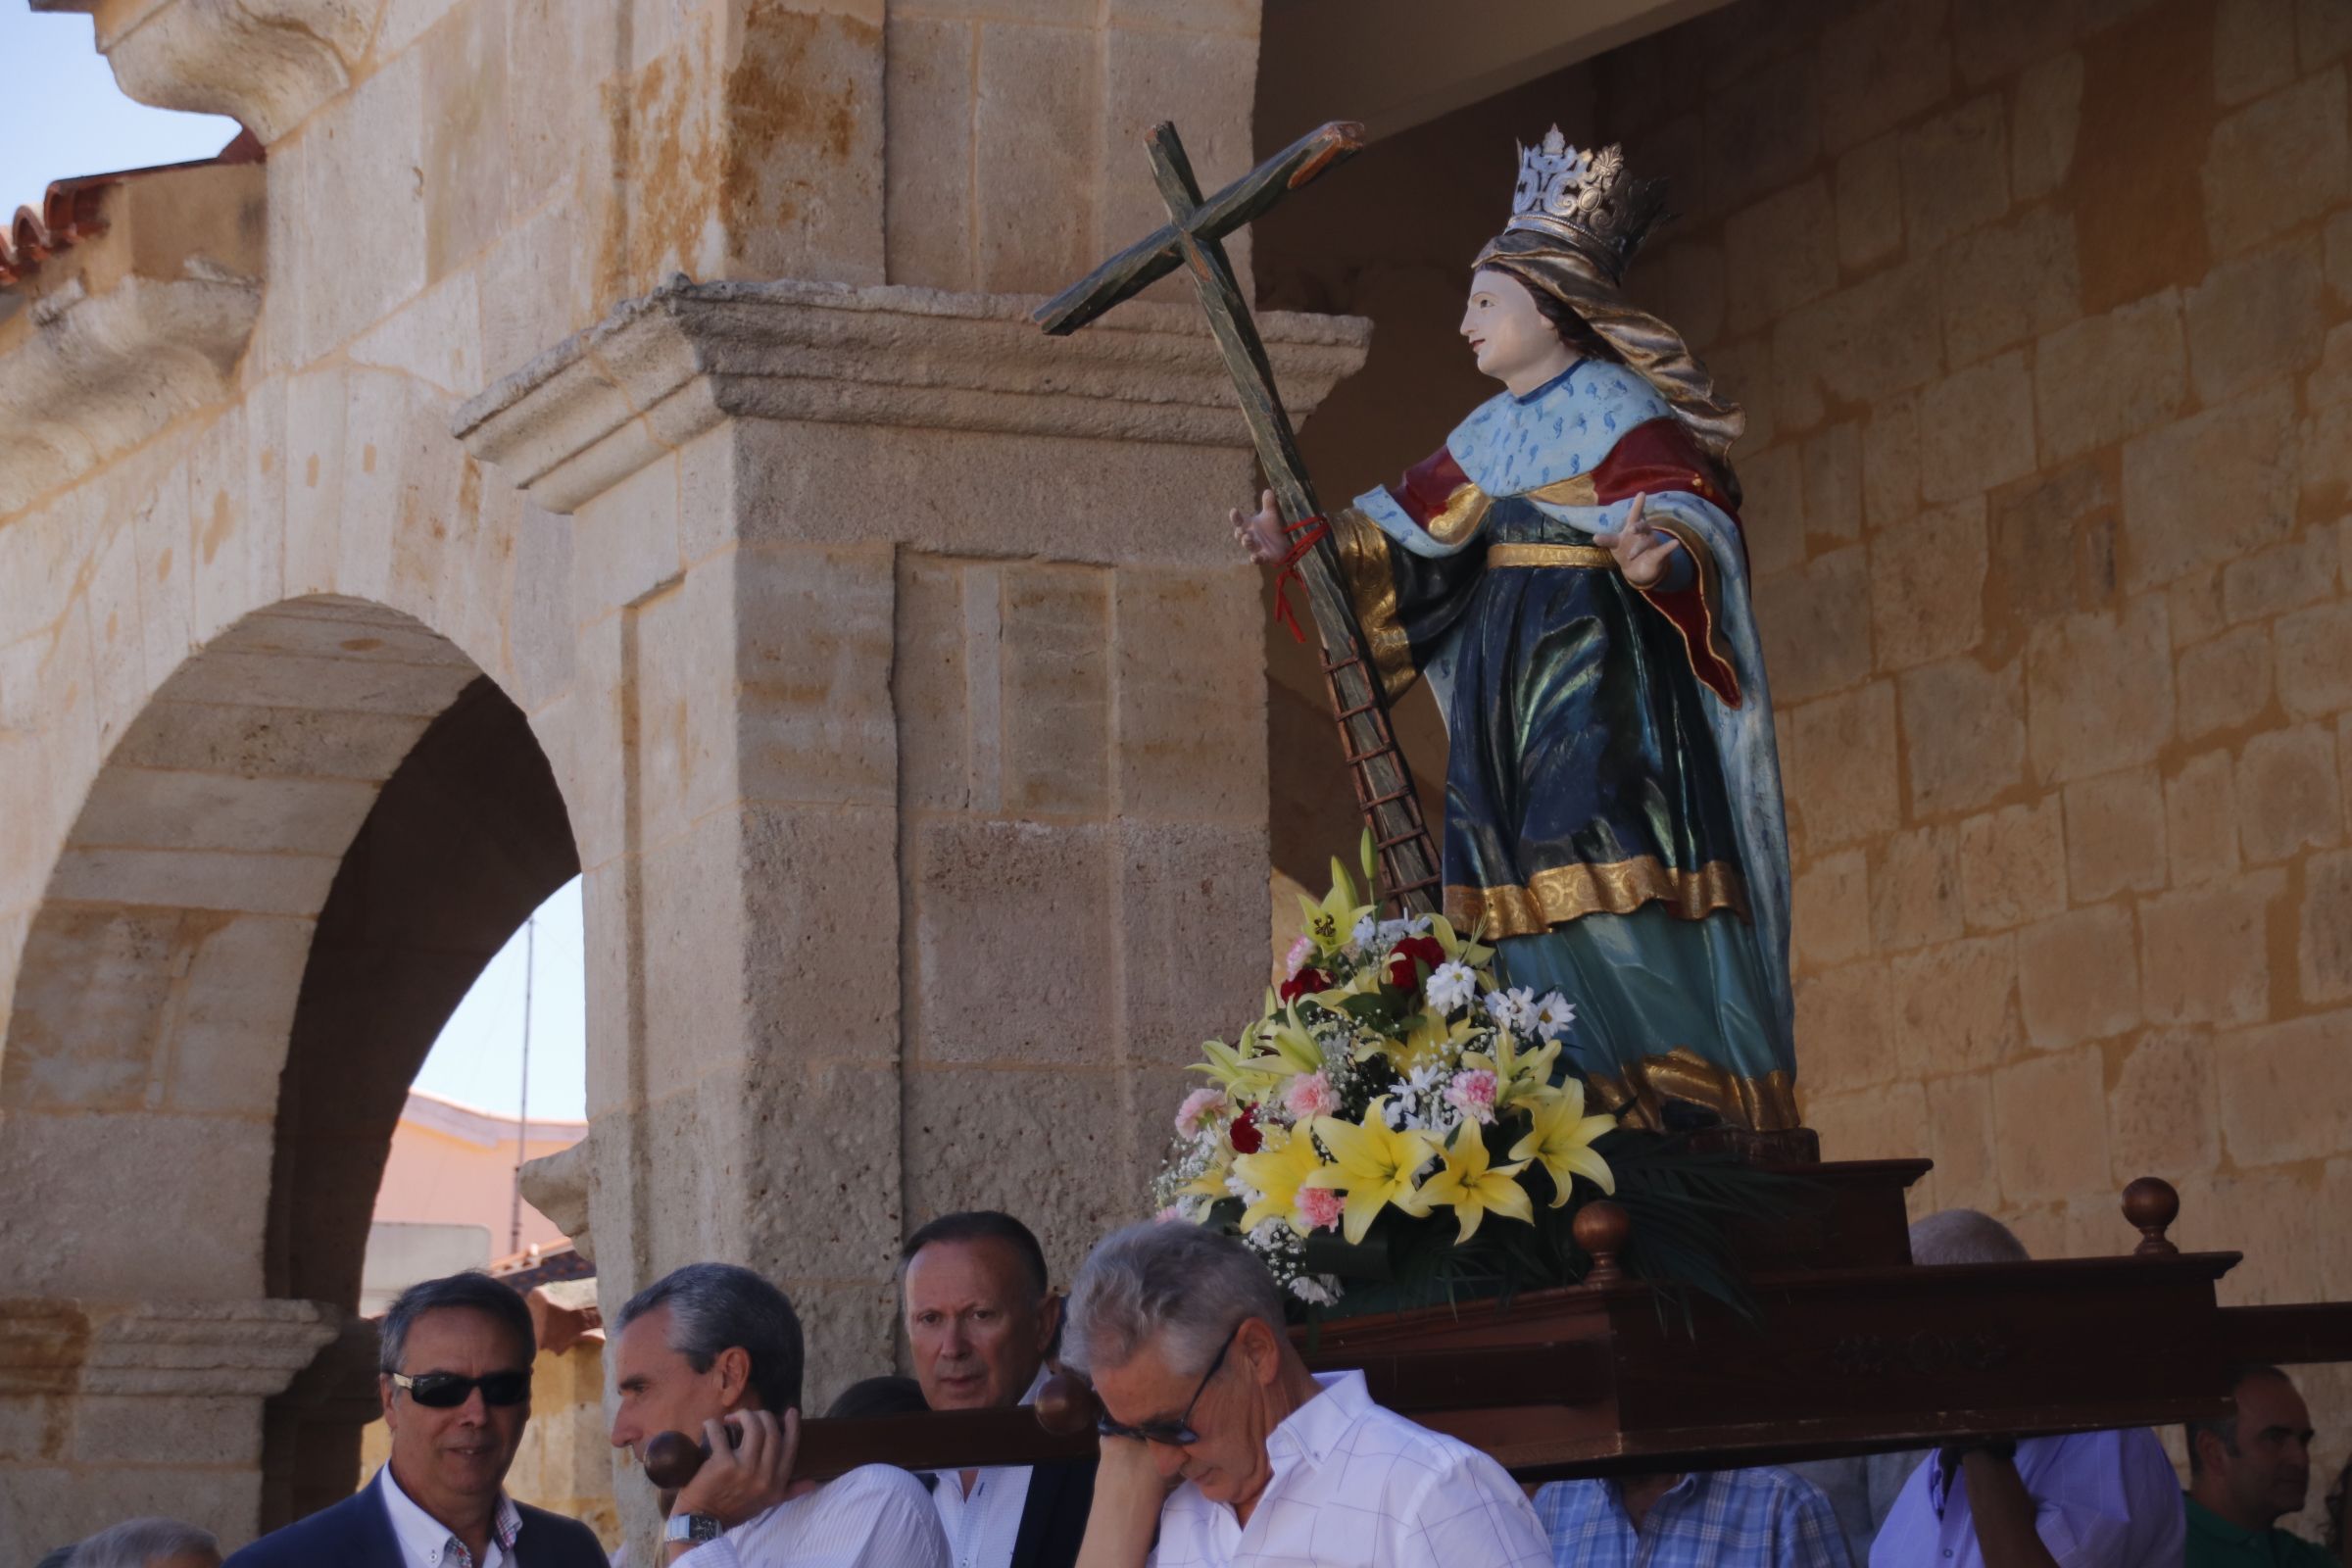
{"x": 69, "y": 210}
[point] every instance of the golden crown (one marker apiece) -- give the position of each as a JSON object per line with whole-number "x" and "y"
{"x": 1585, "y": 198}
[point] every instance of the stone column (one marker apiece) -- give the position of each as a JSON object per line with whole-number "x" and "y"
{"x": 936, "y": 836}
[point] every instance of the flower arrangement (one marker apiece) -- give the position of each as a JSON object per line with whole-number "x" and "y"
{"x": 1392, "y": 1103}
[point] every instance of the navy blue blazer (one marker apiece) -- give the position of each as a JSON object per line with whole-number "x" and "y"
{"x": 357, "y": 1533}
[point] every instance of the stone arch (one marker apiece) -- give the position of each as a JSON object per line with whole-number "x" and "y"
{"x": 285, "y": 875}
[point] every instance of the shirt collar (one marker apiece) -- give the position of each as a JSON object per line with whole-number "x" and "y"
{"x": 2205, "y": 1522}
{"x": 1037, "y": 1384}
{"x": 426, "y": 1538}
{"x": 1317, "y": 1427}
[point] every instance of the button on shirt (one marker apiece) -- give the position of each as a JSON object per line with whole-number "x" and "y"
{"x": 2102, "y": 1499}
{"x": 1761, "y": 1518}
{"x": 2214, "y": 1543}
{"x": 982, "y": 1529}
{"x": 1355, "y": 1485}
{"x": 427, "y": 1542}
{"x": 877, "y": 1516}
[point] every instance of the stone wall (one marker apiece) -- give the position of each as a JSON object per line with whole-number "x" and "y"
{"x": 2041, "y": 312}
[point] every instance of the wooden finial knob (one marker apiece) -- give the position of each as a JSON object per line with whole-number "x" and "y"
{"x": 1066, "y": 1406}
{"x": 1601, "y": 1228}
{"x": 672, "y": 1460}
{"x": 2151, "y": 1205}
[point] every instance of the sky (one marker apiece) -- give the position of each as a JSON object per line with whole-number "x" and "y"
{"x": 61, "y": 114}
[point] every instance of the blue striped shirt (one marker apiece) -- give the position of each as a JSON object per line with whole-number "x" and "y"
{"x": 1762, "y": 1518}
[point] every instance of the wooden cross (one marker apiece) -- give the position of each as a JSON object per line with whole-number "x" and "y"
{"x": 1194, "y": 236}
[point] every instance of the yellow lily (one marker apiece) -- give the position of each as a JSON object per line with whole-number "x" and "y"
{"x": 1520, "y": 1076}
{"x": 1461, "y": 949}
{"x": 1210, "y": 1184}
{"x": 1239, "y": 1070}
{"x": 1474, "y": 1187}
{"x": 1373, "y": 1164}
{"x": 1426, "y": 1044}
{"x": 1331, "y": 922}
{"x": 1293, "y": 1048}
{"x": 1280, "y": 1167}
{"x": 1561, "y": 1140}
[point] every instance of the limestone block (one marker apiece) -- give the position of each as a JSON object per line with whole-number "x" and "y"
{"x": 1870, "y": 203}
{"x": 2052, "y": 548}
{"x": 2106, "y": 377}
{"x": 833, "y": 1129}
{"x": 1780, "y": 252}
{"x": 316, "y": 409}
{"x": 2008, "y": 285}
{"x": 2277, "y": 1217}
{"x": 800, "y": 186}
{"x": 542, "y": 641}
{"x": 930, "y": 672}
{"x": 985, "y": 988}
{"x": 2115, "y": 835}
{"x": 466, "y": 168}
{"x": 1977, "y": 429}
{"x": 1816, "y": 625}
{"x": 2050, "y": 1125}
{"x": 533, "y": 289}
{"x": 1964, "y": 733}
{"x": 2078, "y": 978}
{"x": 2204, "y": 952}
{"x": 1830, "y": 902}
{"x": 2324, "y": 929}
{"x": 2200, "y": 819}
{"x": 1915, "y": 891}
{"x": 1891, "y": 462}
{"x": 1190, "y": 696}
{"x": 436, "y": 338}
{"x": 1772, "y": 512}
{"x": 1762, "y": 132}
{"x": 553, "y": 119}
{"x": 1203, "y": 80}
{"x": 1033, "y": 127}
{"x": 2099, "y": 691}
{"x": 2288, "y": 798}
{"x": 360, "y": 195}
{"x": 220, "y": 586}
{"x": 2047, "y": 111}
{"x": 2013, "y": 864}
{"x": 1994, "y": 38}
{"x": 849, "y": 1329}
{"x": 406, "y": 494}
{"x": 2255, "y": 317}
{"x": 2322, "y": 32}
{"x": 1842, "y": 778}
{"x": 1832, "y": 467}
{"x": 93, "y": 1004}
{"x": 2277, "y": 162}
{"x": 1957, "y": 1006}
{"x": 1696, "y": 289}
{"x": 2163, "y": 1114}
{"x": 45, "y": 1503}
{"x": 1884, "y": 63}
{"x": 2284, "y": 1094}
{"x": 2253, "y": 51}
{"x": 167, "y": 603}
{"x": 2314, "y": 661}
{"x": 1955, "y": 173}
{"x": 2225, "y": 684}
{"x": 197, "y": 879}
{"x": 1744, "y": 373}
{"x": 689, "y": 946}
{"x": 1057, "y": 702}
{"x": 1960, "y": 1142}
{"x": 1184, "y": 957}
{"x": 814, "y": 635}
{"x": 1004, "y": 1138}
{"x": 1869, "y": 1124}
{"x": 1863, "y": 343}
{"x": 2302, "y": 572}
{"x": 111, "y": 608}
{"x": 928, "y": 76}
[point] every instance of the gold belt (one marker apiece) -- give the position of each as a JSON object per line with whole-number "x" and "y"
{"x": 1588, "y": 556}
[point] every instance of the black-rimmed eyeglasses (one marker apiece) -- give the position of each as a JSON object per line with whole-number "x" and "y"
{"x": 1179, "y": 1433}
{"x": 446, "y": 1391}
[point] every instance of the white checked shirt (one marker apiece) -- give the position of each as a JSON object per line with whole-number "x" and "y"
{"x": 983, "y": 1529}
{"x": 1355, "y": 1485}
{"x": 877, "y": 1516}
{"x": 427, "y": 1542}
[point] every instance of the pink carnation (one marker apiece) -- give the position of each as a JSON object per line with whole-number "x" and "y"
{"x": 1292, "y": 961}
{"x": 1168, "y": 1215}
{"x": 1319, "y": 1206}
{"x": 1200, "y": 1107}
{"x": 1308, "y": 1096}
{"x": 1473, "y": 1094}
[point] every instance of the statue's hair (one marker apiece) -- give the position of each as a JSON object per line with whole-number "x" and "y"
{"x": 1965, "y": 1236}
{"x": 1182, "y": 1286}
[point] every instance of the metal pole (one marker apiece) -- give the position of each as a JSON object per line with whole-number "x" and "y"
{"x": 522, "y": 1110}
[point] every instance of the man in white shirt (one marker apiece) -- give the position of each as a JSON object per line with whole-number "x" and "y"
{"x": 981, "y": 1318}
{"x": 711, "y": 1347}
{"x": 1269, "y": 1463}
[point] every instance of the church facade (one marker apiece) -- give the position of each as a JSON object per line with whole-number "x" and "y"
{"x": 605, "y": 436}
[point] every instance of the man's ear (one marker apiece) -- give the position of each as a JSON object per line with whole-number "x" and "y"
{"x": 1261, "y": 1344}
{"x": 1048, "y": 1323}
{"x": 386, "y": 1392}
{"x": 734, "y": 1368}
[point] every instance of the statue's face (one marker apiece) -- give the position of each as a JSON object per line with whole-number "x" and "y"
{"x": 1508, "y": 336}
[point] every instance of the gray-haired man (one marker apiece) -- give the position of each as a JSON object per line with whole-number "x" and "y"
{"x": 1182, "y": 1330}
{"x": 147, "y": 1544}
{"x": 709, "y": 1347}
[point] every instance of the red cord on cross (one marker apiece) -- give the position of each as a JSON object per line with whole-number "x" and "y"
{"x": 1303, "y": 534}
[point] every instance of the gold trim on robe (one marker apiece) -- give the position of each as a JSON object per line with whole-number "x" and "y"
{"x": 1592, "y": 558}
{"x": 1459, "y": 517}
{"x": 1634, "y": 1096}
{"x": 1710, "y": 602}
{"x": 1372, "y": 586}
{"x": 1560, "y": 894}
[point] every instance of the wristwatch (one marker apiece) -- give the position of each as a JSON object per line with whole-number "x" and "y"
{"x": 693, "y": 1527}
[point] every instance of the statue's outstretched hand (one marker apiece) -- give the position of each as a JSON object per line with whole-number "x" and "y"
{"x": 1643, "y": 554}
{"x": 1262, "y": 535}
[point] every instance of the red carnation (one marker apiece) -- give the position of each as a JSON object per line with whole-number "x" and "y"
{"x": 1305, "y": 983}
{"x": 1243, "y": 1133}
{"x": 1405, "y": 954}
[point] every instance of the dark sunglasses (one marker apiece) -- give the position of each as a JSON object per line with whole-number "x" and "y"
{"x": 446, "y": 1391}
{"x": 1179, "y": 1433}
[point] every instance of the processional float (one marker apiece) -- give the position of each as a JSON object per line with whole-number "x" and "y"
{"x": 1835, "y": 1343}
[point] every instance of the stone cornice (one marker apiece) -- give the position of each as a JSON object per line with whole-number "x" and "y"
{"x": 99, "y": 374}
{"x": 264, "y": 63}
{"x": 663, "y": 369}
{"x": 160, "y": 1348}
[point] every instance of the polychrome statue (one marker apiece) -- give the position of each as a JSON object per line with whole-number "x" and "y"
{"x": 1569, "y": 575}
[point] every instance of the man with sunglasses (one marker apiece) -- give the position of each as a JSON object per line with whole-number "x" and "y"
{"x": 1220, "y": 1450}
{"x": 454, "y": 1360}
